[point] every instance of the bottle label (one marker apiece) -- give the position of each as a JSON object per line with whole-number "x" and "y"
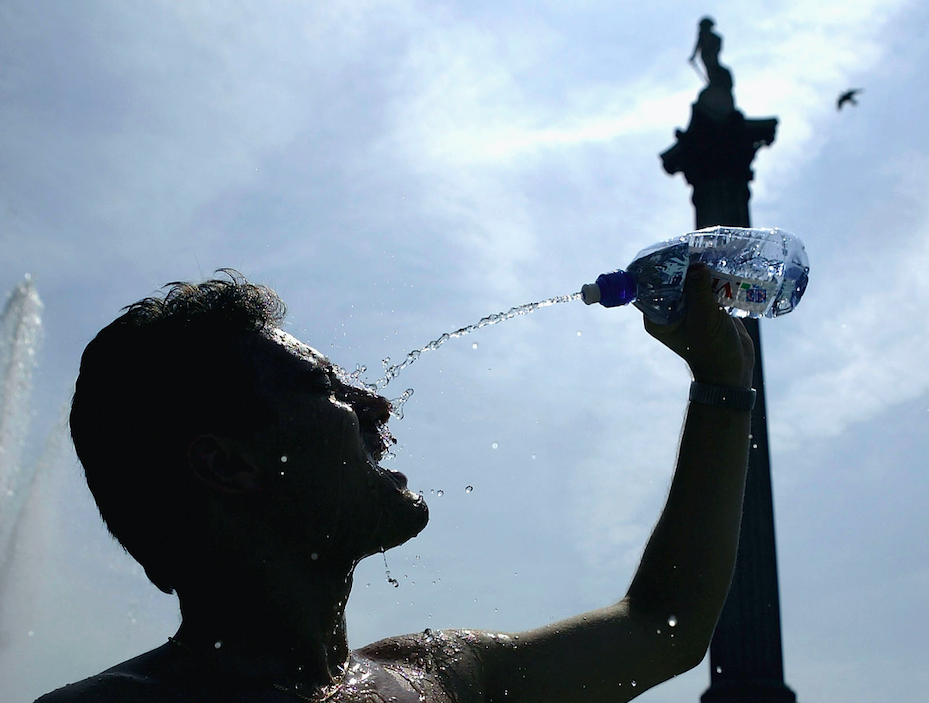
{"x": 748, "y": 294}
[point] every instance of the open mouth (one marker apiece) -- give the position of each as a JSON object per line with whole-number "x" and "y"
{"x": 397, "y": 478}
{"x": 376, "y": 445}
{"x": 377, "y": 439}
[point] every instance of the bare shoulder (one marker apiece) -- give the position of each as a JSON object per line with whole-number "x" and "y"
{"x": 158, "y": 676}
{"x": 137, "y": 679}
{"x": 107, "y": 687}
{"x": 444, "y": 665}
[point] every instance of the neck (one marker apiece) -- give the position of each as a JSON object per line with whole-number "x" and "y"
{"x": 289, "y": 630}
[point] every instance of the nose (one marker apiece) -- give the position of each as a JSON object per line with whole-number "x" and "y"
{"x": 370, "y": 408}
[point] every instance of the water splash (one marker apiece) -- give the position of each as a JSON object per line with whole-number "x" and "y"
{"x": 20, "y": 336}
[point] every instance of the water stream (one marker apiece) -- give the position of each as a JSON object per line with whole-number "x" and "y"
{"x": 391, "y": 371}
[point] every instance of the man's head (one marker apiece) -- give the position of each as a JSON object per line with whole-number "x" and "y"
{"x": 195, "y": 386}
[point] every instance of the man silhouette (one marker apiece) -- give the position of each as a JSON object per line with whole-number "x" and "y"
{"x": 240, "y": 469}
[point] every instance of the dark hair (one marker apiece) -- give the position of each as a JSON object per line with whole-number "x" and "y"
{"x": 159, "y": 375}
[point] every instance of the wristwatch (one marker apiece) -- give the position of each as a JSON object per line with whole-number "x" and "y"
{"x": 722, "y": 396}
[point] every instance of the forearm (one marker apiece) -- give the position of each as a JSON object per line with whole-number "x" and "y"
{"x": 687, "y": 565}
{"x": 664, "y": 624}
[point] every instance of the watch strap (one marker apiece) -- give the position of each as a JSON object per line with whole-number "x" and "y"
{"x": 722, "y": 396}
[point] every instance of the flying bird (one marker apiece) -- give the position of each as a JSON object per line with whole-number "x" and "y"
{"x": 848, "y": 97}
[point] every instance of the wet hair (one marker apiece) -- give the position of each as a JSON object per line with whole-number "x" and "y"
{"x": 165, "y": 371}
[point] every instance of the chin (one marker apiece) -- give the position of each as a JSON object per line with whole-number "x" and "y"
{"x": 403, "y": 522}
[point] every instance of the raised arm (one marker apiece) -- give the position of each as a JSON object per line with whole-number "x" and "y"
{"x": 664, "y": 624}
{"x": 693, "y": 54}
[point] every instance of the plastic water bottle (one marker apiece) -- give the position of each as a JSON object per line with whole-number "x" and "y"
{"x": 755, "y": 273}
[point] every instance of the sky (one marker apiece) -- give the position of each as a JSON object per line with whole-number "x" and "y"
{"x": 399, "y": 169}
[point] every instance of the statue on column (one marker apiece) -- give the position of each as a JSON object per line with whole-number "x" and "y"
{"x": 717, "y": 96}
{"x": 716, "y": 150}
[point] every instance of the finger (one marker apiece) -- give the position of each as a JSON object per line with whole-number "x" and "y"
{"x": 701, "y": 303}
{"x": 699, "y": 296}
{"x": 698, "y": 278}
{"x": 745, "y": 338}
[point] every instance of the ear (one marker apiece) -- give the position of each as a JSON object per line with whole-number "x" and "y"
{"x": 219, "y": 463}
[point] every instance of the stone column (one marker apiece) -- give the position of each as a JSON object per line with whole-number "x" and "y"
{"x": 746, "y": 664}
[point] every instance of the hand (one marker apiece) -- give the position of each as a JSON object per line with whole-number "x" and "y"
{"x": 715, "y": 346}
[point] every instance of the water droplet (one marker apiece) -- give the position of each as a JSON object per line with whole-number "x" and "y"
{"x": 282, "y": 473}
{"x": 440, "y": 493}
{"x": 468, "y": 489}
{"x": 578, "y": 333}
{"x": 474, "y": 346}
{"x": 314, "y": 556}
{"x": 494, "y": 445}
{"x": 284, "y": 459}
{"x": 395, "y": 582}
{"x": 31, "y": 633}
{"x": 533, "y": 456}
{"x": 9, "y": 492}
{"x": 754, "y": 446}
{"x": 719, "y": 670}
{"x": 632, "y": 683}
{"x": 217, "y": 644}
{"x": 672, "y": 621}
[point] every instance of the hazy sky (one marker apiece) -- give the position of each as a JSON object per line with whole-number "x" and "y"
{"x": 399, "y": 169}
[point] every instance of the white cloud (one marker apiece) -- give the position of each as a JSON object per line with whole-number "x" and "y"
{"x": 868, "y": 323}
{"x": 799, "y": 61}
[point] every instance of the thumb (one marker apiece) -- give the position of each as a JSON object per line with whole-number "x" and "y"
{"x": 701, "y": 303}
{"x": 699, "y": 299}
